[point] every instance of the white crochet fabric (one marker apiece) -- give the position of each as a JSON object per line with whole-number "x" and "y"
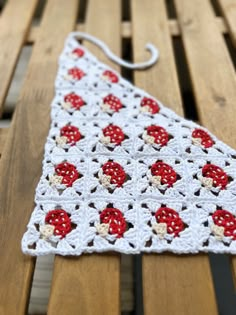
{"x": 146, "y": 212}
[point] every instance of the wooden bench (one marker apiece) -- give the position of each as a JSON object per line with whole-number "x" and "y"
{"x": 90, "y": 284}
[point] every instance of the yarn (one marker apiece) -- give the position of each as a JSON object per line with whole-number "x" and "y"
{"x": 68, "y": 172}
{"x": 60, "y": 220}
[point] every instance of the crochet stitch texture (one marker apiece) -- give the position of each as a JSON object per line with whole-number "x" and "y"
{"x": 122, "y": 172}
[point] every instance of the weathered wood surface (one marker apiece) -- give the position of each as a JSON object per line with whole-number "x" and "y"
{"x": 14, "y": 23}
{"x": 3, "y": 137}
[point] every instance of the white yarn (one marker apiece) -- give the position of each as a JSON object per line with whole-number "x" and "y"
{"x": 135, "y": 66}
{"x": 138, "y": 198}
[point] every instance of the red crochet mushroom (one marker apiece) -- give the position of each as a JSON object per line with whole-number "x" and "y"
{"x": 113, "y": 134}
{"x": 61, "y": 221}
{"x": 68, "y": 172}
{"x": 227, "y": 220}
{"x": 78, "y": 52}
{"x": 156, "y": 134}
{"x": 149, "y": 105}
{"x": 202, "y": 137}
{"x": 111, "y": 103}
{"x": 216, "y": 174}
{"x": 76, "y": 73}
{"x": 115, "y": 219}
{"x": 170, "y": 217}
{"x": 167, "y": 174}
{"x": 75, "y": 101}
{"x": 71, "y": 133}
{"x": 110, "y": 76}
{"x": 116, "y": 173}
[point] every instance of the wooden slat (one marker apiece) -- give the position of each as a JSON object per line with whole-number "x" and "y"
{"x": 229, "y": 12}
{"x": 212, "y": 72}
{"x": 88, "y": 285}
{"x": 126, "y": 29}
{"x": 104, "y": 21}
{"x": 92, "y": 281}
{"x": 3, "y": 137}
{"x": 180, "y": 285}
{"x": 171, "y": 284}
{"x": 160, "y": 80}
{"x": 14, "y": 23}
{"x": 21, "y": 162}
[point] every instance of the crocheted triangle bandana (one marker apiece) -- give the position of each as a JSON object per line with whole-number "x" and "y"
{"x": 122, "y": 172}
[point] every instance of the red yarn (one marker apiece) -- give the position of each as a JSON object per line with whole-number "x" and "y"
{"x": 206, "y": 139}
{"x": 74, "y": 100}
{"x": 110, "y": 76}
{"x": 116, "y": 171}
{"x": 159, "y": 134}
{"x": 151, "y": 104}
{"x": 220, "y": 178}
{"x": 60, "y": 220}
{"x": 169, "y": 216}
{"x": 113, "y": 102}
{"x": 76, "y": 73}
{"x": 78, "y": 52}
{"x": 167, "y": 173}
{"x": 71, "y": 133}
{"x": 227, "y": 220}
{"x": 69, "y": 173}
{"x": 115, "y": 219}
{"x": 115, "y": 133}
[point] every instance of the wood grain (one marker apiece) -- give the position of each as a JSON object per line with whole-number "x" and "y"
{"x": 228, "y": 8}
{"x": 171, "y": 284}
{"x": 175, "y": 30}
{"x": 21, "y": 162}
{"x": 14, "y": 23}
{"x": 3, "y": 138}
{"x": 90, "y": 284}
{"x": 180, "y": 285}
